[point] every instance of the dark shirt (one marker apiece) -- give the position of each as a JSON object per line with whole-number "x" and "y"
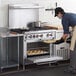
{"x": 68, "y": 19}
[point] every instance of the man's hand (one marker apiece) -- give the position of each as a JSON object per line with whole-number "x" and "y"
{"x": 62, "y": 39}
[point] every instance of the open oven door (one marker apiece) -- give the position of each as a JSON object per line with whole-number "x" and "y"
{"x": 50, "y": 59}
{"x": 45, "y": 59}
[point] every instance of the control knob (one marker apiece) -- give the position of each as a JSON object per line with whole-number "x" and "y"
{"x": 37, "y": 35}
{"x": 33, "y": 36}
{"x": 30, "y": 36}
{"x": 41, "y": 35}
{"x": 47, "y": 35}
{"x": 50, "y": 34}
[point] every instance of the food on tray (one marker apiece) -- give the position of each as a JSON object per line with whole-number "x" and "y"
{"x": 35, "y": 52}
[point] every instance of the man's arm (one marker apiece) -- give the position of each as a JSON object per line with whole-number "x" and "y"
{"x": 65, "y": 24}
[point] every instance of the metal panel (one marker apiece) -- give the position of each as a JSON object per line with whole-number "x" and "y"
{"x": 62, "y": 50}
{"x": 9, "y": 52}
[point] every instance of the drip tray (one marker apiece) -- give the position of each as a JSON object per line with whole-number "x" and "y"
{"x": 45, "y": 59}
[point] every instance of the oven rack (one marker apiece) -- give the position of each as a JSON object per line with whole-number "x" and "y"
{"x": 39, "y": 48}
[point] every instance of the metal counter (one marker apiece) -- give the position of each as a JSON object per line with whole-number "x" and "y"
{"x": 9, "y": 50}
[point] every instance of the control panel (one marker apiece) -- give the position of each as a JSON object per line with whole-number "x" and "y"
{"x": 39, "y": 35}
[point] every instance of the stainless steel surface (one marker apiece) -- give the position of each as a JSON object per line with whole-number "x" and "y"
{"x": 34, "y": 40}
{"x": 4, "y": 30}
{"x": 46, "y": 58}
{"x": 26, "y": 42}
{"x": 62, "y": 50}
{"x": 32, "y": 43}
{"x": 39, "y": 35}
{"x": 24, "y": 6}
{"x": 9, "y": 52}
{"x": 21, "y": 15}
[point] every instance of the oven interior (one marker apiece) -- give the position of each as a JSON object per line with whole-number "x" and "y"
{"x": 37, "y": 49}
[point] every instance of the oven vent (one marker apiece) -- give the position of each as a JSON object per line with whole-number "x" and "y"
{"x": 62, "y": 50}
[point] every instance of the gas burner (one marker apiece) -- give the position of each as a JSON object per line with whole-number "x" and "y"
{"x": 20, "y": 31}
{"x": 38, "y": 28}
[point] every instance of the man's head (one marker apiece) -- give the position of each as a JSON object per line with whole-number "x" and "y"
{"x": 59, "y": 12}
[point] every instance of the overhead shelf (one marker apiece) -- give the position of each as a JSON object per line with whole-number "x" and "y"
{"x": 24, "y": 6}
{"x": 51, "y": 9}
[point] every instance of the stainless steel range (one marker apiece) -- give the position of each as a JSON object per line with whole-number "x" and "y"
{"x": 35, "y": 50}
{"x": 34, "y": 42}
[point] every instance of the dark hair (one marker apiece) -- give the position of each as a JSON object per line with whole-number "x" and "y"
{"x": 59, "y": 9}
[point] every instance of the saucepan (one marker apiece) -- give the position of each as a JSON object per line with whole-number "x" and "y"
{"x": 34, "y": 24}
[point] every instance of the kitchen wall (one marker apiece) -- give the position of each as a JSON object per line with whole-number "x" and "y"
{"x": 68, "y": 5}
{"x": 45, "y": 16}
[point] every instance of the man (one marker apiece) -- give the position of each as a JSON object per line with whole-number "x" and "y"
{"x": 68, "y": 20}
